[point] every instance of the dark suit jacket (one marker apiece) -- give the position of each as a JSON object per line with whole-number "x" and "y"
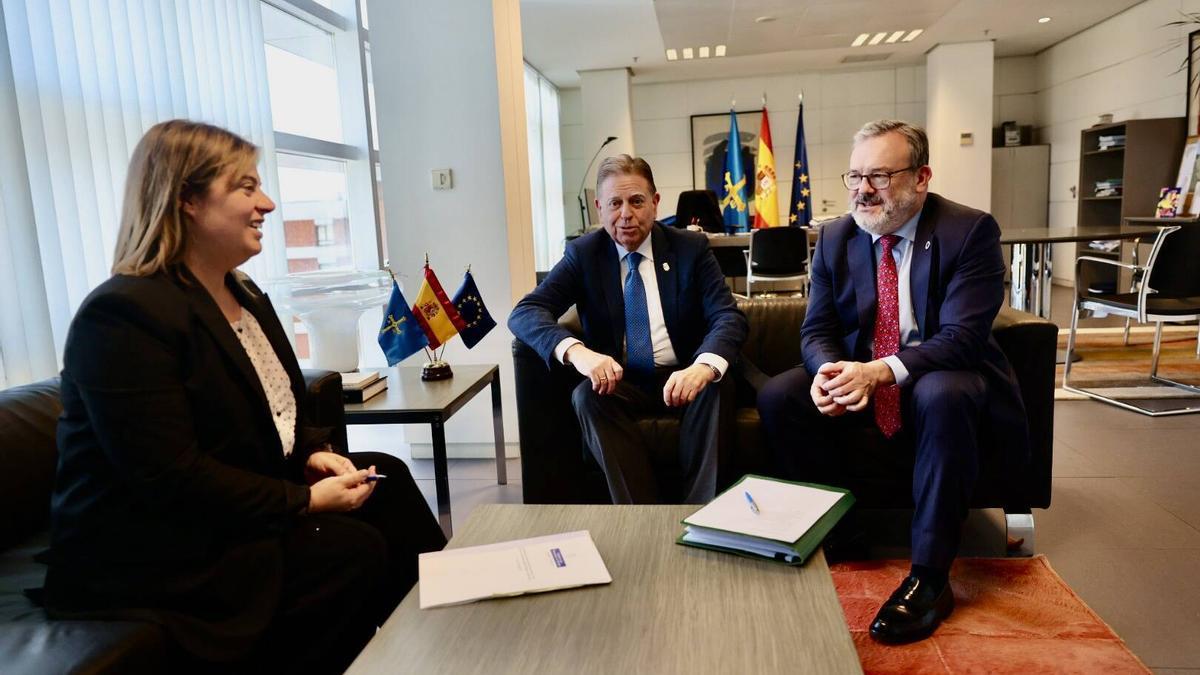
{"x": 957, "y": 286}
{"x": 699, "y": 310}
{"x": 172, "y": 487}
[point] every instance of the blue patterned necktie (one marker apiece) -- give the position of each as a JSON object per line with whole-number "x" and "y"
{"x": 639, "y": 351}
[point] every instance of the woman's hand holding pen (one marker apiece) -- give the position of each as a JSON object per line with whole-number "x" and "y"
{"x": 341, "y": 493}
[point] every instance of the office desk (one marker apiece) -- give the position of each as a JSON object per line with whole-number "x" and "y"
{"x": 410, "y": 400}
{"x": 669, "y": 608}
{"x": 1032, "y": 270}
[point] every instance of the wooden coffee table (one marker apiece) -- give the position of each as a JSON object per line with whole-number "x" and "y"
{"x": 669, "y": 608}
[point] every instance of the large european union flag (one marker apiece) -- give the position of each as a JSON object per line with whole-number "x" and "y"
{"x": 800, "y": 211}
{"x": 400, "y": 336}
{"x": 469, "y": 304}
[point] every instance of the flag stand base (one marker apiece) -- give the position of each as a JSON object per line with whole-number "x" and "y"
{"x": 436, "y": 370}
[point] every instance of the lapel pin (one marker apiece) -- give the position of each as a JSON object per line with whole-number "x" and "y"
{"x": 666, "y": 267}
{"x": 928, "y": 244}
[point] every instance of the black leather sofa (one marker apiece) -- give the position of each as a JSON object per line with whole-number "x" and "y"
{"x": 555, "y": 469}
{"x": 29, "y": 642}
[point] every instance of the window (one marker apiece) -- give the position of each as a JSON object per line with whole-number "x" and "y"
{"x": 545, "y": 168}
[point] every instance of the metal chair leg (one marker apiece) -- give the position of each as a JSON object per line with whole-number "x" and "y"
{"x": 1071, "y": 344}
{"x": 1157, "y": 349}
{"x": 1019, "y": 533}
{"x": 1126, "y": 340}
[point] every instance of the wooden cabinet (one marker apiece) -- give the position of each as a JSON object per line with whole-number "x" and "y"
{"x": 1146, "y": 163}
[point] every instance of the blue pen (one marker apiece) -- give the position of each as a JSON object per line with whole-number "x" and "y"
{"x": 375, "y": 476}
{"x": 750, "y": 501}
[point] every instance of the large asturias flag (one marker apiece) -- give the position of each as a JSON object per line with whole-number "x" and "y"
{"x": 801, "y": 207}
{"x": 400, "y": 336}
{"x": 476, "y": 319}
{"x": 434, "y": 311}
{"x": 766, "y": 197}
{"x": 733, "y": 199}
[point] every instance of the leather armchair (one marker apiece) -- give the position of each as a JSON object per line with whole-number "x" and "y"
{"x": 555, "y": 469}
{"x": 29, "y": 642}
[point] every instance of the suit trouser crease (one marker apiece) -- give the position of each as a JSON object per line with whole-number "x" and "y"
{"x": 609, "y": 425}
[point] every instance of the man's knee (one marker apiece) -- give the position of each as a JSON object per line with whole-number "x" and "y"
{"x": 583, "y": 398}
{"x": 943, "y": 391}
{"x": 784, "y": 392}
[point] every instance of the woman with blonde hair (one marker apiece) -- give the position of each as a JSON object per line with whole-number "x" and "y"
{"x": 191, "y": 492}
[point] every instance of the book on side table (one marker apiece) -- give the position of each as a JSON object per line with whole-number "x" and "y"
{"x": 358, "y": 387}
{"x": 767, "y": 518}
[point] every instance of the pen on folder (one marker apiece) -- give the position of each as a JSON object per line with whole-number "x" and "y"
{"x": 750, "y": 501}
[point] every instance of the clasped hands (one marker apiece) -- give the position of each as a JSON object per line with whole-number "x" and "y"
{"x": 335, "y": 484}
{"x": 847, "y": 386}
{"x": 682, "y": 387}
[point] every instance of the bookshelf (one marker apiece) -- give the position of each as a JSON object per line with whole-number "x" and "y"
{"x": 1146, "y": 163}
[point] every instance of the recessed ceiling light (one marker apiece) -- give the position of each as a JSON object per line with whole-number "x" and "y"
{"x": 912, "y": 35}
{"x": 687, "y": 53}
{"x": 720, "y": 51}
{"x": 862, "y": 38}
{"x": 877, "y": 39}
{"x": 704, "y": 52}
{"x": 764, "y": 19}
{"x": 672, "y": 55}
{"x": 1044, "y": 19}
{"x": 895, "y": 37}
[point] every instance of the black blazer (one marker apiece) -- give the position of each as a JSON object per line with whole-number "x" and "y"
{"x": 168, "y": 456}
{"x": 699, "y": 311}
{"x": 957, "y": 284}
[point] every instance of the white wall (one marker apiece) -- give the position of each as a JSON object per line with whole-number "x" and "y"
{"x": 1125, "y": 66}
{"x": 449, "y": 90}
{"x": 836, "y": 104}
{"x": 959, "y": 84}
{"x": 1015, "y": 84}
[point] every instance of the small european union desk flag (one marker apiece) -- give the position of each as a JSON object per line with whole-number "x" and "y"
{"x": 470, "y": 307}
{"x": 400, "y": 336}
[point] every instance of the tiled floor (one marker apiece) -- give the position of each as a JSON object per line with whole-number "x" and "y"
{"x": 1123, "y": 529}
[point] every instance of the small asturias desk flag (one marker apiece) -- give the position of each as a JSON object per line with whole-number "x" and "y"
{"x": 766, "y": 202}
{"x": 477, "y": 322}
{"x": 400, "y": 336}
{"x": 733, "y": 195}
{"x": 434, "y": 311}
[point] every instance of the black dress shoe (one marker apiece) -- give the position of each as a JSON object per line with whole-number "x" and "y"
{"x": 912, "y": 613}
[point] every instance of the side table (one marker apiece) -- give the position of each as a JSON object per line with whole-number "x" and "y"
{"x": 410, "y": 400}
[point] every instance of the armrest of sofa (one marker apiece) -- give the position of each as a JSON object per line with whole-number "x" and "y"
{"x": 323, "y": 404}
{"x": 1030, "y": 342}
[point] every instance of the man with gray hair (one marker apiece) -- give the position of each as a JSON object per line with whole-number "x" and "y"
{"x": 897, "y": 342}
{"x": 660, "y": 328}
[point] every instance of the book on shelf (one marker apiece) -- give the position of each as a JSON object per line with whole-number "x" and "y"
{"x": 1107, "y": 245}
{"x": 362, "y": 394}
{"x": 358, "y": 380}
{"x": 767, "y": 518}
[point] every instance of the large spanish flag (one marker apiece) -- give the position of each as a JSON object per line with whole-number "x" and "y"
{"x": 434, "y": 311}
{"x": 766, "y": 201}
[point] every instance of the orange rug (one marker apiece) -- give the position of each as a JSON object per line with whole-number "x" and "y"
{"x": 1011, "y": 615}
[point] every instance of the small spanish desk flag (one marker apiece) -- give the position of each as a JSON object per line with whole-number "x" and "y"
{"x": 474, "y": 314}
{"x": 434, "y": 311}
{"x": 400, "y": 336}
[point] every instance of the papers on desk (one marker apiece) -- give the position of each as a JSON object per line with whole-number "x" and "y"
{"x": 462, "y": 575}
{"x": 786, "y": 522}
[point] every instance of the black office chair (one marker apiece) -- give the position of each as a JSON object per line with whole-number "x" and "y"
{"x": 699, "y": 207}
{"x": 777, "y": 254}
{"x": 1168, "y": 291}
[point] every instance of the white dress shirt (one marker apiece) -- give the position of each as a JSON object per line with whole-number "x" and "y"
{"x": 664, "y": 353}
{"x": 902, "y": 252}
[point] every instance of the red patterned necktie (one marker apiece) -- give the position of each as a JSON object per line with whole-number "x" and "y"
{"x": 887, "y": 335}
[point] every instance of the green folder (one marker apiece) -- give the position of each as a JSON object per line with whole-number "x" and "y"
{"x": 798, "y": 551}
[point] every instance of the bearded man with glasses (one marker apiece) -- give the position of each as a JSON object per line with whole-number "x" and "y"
{"x": 897, "y": 339}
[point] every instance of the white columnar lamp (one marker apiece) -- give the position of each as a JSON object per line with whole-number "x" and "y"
{"x": 330, "y": 304}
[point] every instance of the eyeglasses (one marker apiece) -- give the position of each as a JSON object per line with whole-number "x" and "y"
{"x": 880, "y": 180}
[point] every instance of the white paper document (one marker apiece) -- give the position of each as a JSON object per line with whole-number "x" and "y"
{"x": 785, "y": 511}
{"x": 556, "y": 561}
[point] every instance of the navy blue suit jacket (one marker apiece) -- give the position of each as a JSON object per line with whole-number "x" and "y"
{"x": 957, "y": 286}
{"x": 699, "y": 310}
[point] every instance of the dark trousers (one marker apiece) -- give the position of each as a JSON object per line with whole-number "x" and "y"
{"x": 344, "y": 574}
{"x": 941, "y": 413}
{"x": 610, "y": 433}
